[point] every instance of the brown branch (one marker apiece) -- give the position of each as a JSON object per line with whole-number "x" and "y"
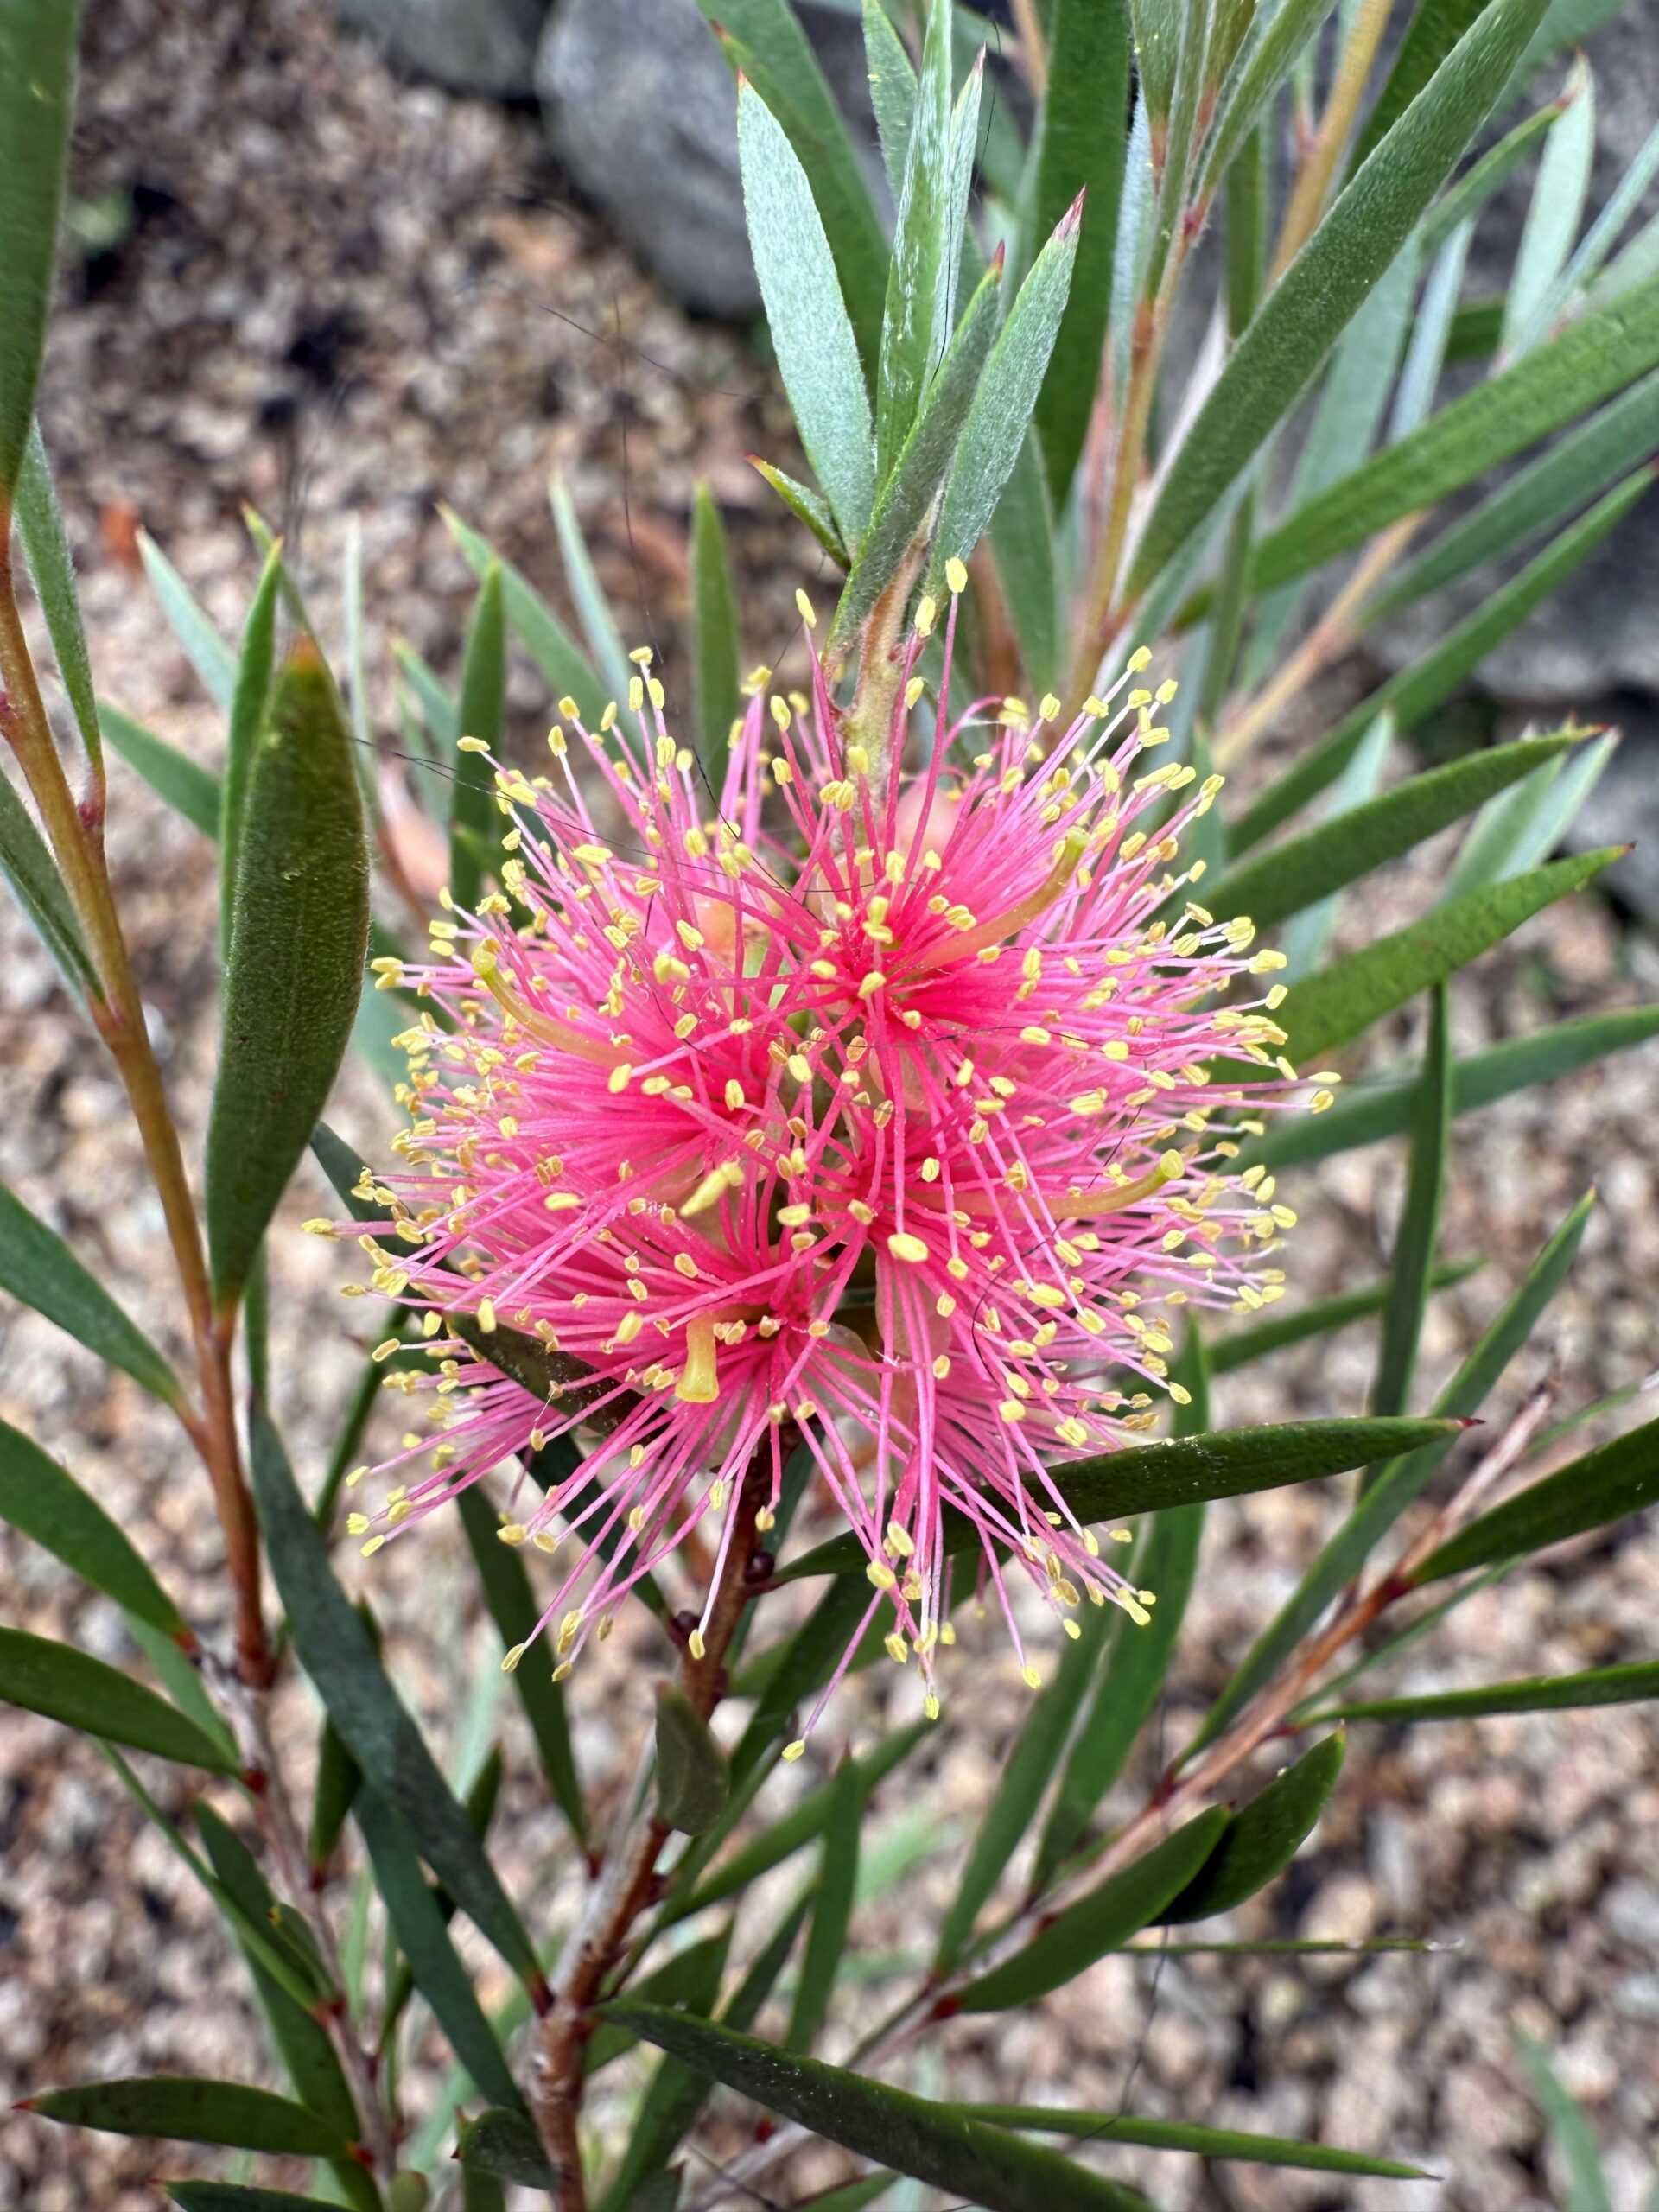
{"x": 627, "y": 1882}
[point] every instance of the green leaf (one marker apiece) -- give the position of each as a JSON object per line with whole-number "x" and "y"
{"x": 1042, "y": 1739}
{"x": 418, "y": 1923}
{"x": 933, "y": 2142}
{"x": 1556, "y": 213}
{"x": 1571, "y": 2127}
{"x": 297, "y": 945}
{"x": 1414, "y": 1247}
{"x": 1594, "y": 357}
{"x": 716, "y": 692}
{"x": 1602, "y": 1487}
{"x": 342, "y": 1661}
{"x": 1325, "y": 1314}
{"x": 513, "y": 1608}
{"x": 187, "y": 2109}
{"x": 832, "y": 1911}
{"x": 232, "y": 2196}
{"x": 1259, "y": 70}
{"x": 806, "y": 506}
{"x": 593, "y": 607}
{"x": 1630, "y": 1685}
{"x": 915, "y": 325}
{"x": 1304, "y": 942}
{"x": 503, "y": 2141}
{"x": 1435, "y": 29}
{"x": 1384, "y": 1109}
{"x": 673, "y": 2097}
{"x": 38, "y": 1268}
{"x": 247, "y": 717}
{"x": 1293, "y": 875}
{"x": 1186, "y": 2135}
{"x": 67, "y": 1684}
{"x": 797, "y": 1827}
{"x": 1165, "y": 1559}
{"x": 807, "y": 1660}
{"x": 1331, "y": 277}
{"x": 1001, "y": 415}
{"x": 188, "y": 788}
{"x": 920, "y": 467}
{"x": 483, "y": 696}
{"x": 693, "y": 1777}
{"x": 765, "y": 40}
{"x": 47, "y": 1504}
{"x": 563, "y": 666}
{"x": 1342, "y": 1001}
{"x": 892, "y": 91}
{"x": 1099, "y": 1922}
{"x": 1258, "y": 1843}
{"x": 1403, "y": 1479}
{"x": 204, "y": 648}
{"x": 46, "y": 548}
{"x": 241, "y": 1893}
{"x": 1146, "y": 1477}
{"x": 1577, "y": 468}
{"x": 38, "y": 73}
{"x": 1022, "y": 545}
{"x": 1080, "y": 150}
{"x": 818, "y": 354}
{"x": 33, "y": 874}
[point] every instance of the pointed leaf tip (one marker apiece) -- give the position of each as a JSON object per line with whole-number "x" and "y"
{"x": 1067, "y": 225}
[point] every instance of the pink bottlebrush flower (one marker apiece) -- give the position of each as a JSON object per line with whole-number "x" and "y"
{"x": 874, "y": 1108}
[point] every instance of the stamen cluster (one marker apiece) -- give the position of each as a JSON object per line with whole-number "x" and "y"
{"x": 875, "y": 1110}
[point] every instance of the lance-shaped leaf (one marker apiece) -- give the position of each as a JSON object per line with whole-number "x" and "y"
{"x": 1595, "y": 356}
{"x": 1179, "y": 1472}
{"x": 1622, "y": 1477}
{"x": 37, "y": 70}
{"x": 672, "y": 2098}
{"x": 193, "y": 627}
{"x": 1258, "y": 71}
{"x": 933, "y": 2142}
{"x": 716, "y": 693}
{"x": 1384, "y": 1109}
{"x": 342, "y": 1661}
{"x": 298, "y": 944}
{"x": 1188, "y": 2135}
{"x": 913, "y": 335}
{"x": 188, "y": 787}
{"x": 920, "y": 467}
{"x": 1630, "y": 1685}
{"x": 1022, "y": 544}
{"x": 1414, "y": 1244}
{"x": 808, "y": 506}
{"x": 1554, "y": 214}
{"x": 832, "y": 1911}
{"x": 559, "y": 659}
{"x": 693, "y": 1775}
{"x": 892, "y": 91}
{"x": 234, "y": 2196}
{"x": 67, "y": 1684}
{"x": 1304, "y": 869}
{"x": 1080, "y": 149}
{"x": 1100, "y": 1922}
{"x": 418, "y": 1923}
{"x": 513, "y": 1608}
{"x": 483, "y": 696}
{"x": 1003, "y": 403}
{"x": 1402, "y": 1480}
{"x": 28, "y": 867}
{"x": 1436, "y": 26}
{"x": 1331, "y": 277}
{"x": 247, "y": 717}
{"x": 1409, "y": 695}
{"x": 817, "y": 355}
{"x": 503, "y": 2141}
{"x": 1341, "y": 1002}
{"x": 48, "y": 1505}
{"x": 1259, "y": 1841}
{"x": 187, "y": 2109}
{"x": 1325, "y": 1315}
{"x": 46, "y": 548}
{"x": 38, "y": 1268}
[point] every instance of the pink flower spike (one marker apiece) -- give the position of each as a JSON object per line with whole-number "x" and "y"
{"x": 896, "y": 1111}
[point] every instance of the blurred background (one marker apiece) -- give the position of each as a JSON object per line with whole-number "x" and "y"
{"x": 343, "y": 265}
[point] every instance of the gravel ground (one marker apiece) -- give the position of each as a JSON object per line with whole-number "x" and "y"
{"x": 339, "y": 296}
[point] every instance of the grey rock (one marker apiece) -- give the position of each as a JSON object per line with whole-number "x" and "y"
{"x": 1623, "y": 807}
{"x": 641, "y": 108}
{"x": 471, "y": 46}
